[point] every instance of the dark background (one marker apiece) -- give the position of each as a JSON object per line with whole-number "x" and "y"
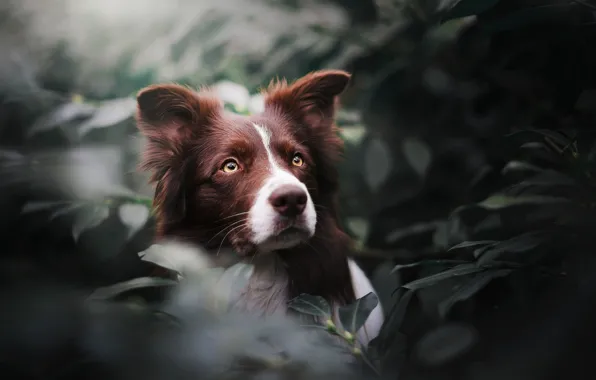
{"x": 468, "y": 180}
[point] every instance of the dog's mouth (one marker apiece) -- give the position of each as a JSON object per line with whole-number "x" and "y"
{"x": 286, "y": 237}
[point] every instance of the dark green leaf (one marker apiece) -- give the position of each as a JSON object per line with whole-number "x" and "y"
{"x": 109, "y": 113}
{"x": 63, "y": 114}
{"x": 133, "y": 216}
{"x": 445, "y": 343}
{"x": 460, "y": 270}
{"x": 311, "y": 305}
{"x": 468, "y": 244}
{"x": 353, "y": 316}
{"x": 89, "y": 219}
{"x": 234, "y": 280}
{"x": 184, "y": 259}
{"x": 464, "y": 8}
{"x": 112, "y": 291}
{"x": 42, "y": 206}
{"x": 524, "y": 17}
{"x": 499, "y": 201}
{"x": 518, "y": 244}
{"x": 392, "y": 325}
{"x": 427, "y": 263}
{"x": 66, "y": 209}
{"x": 471, "y": 287}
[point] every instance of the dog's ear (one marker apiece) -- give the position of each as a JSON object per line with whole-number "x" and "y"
{"x": 172, "y": 118}
{"x": 311, "y": 99}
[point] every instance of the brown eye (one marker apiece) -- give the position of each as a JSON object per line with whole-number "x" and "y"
{"x": 297, "y": 160}
{"x": 230, "y": 166}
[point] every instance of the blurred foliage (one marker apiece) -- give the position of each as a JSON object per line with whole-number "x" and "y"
{"x": 468, "y": 184}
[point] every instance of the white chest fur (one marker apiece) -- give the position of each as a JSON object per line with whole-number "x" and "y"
{"x": 267, "y": 292}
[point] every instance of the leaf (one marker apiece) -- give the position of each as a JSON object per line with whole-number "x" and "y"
{"x": 109, "y": 113}
{"x": 445, "y": 343}
{"x": 377, "y": 164}
{"x": 89, "y": 219}
{"x": 63, "y": 114}
{"x": 184, "y": 259}
{"x": 395, "y": 318}
{"x": 234, "y": 280}
{"x": 354, "y": 315}
{"x": 460, "y": 270}
{"x": 134, "y": 216}
{"x": 499, "y": 201}
{"x": 524, "y": 17}
{"x": 464, "y": 8}
{"x": 518, "y": 244}
{"x": 311, "y": 305}
{"x": 65, "y": 210}
{"x": 468, "y": 244}
{"x": 233, "y": 94}
{"x": 112, "y": 291}
{"x": 417, "y": 154}
{"x": 473, "y": 286}
{"x": 42, "y": 206}
{"x": 427, "y": 262}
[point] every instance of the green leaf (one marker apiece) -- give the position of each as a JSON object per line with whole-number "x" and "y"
{"x": 427, "y": 263}
{"x": 460, "y": 270}
{"x": 377, "y": 163}
{"x": 65, "y": 210}
{"x": 524, "y": 17}
{"x": 354, "y": 315}
{"x": 134, "y": 216}
{"x": 417, "y": 154}
{"x": 464, "y": 8}
{"x": 390, "y": 329}
{"x": 445, "y": 343}
{"x": 234, "y": 280}
{"x": 311, "y": 305}
{"x": 518, "y": 244}
{"x": 184, "y": 259}
{"x": 42, "y": 206}
{"x": 109, "y": 292}
{"x": 468, "y": 244}
{"x": 89, "y": 219}
{"x": 109, "y": 113}
{"x": 63, "y": 114}
{"x": 499, "y": 201}
{"x": 471, "y": 287}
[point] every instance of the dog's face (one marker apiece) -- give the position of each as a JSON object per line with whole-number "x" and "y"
{"x": 256, "y": 182}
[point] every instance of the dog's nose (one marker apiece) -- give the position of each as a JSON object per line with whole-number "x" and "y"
{"x": 288, "y": 200}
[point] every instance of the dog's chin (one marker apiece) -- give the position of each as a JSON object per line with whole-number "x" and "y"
{"x": 285, "y": 239}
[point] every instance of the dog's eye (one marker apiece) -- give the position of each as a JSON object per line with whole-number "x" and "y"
{"x": 230, "y": 166}
{"x": 297, "y": 160}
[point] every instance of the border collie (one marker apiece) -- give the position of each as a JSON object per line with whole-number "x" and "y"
{"x": 263, "y": 185}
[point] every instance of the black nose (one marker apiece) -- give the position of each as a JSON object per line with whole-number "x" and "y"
{"x": 288, "y": 200}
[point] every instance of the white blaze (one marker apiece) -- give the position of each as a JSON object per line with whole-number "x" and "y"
{"x": 262, "y": 216}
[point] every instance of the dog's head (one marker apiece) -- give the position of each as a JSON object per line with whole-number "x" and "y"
{"x": 259, "y": 183}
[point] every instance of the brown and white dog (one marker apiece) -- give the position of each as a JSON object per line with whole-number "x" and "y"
{"x": 263, "y": 185}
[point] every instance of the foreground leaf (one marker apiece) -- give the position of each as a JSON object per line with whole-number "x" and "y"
{"x": 464, "y": 8}
{"x": 233, "y": 281}
{"x": 500, "y": 201}
{"x": 184, "y": 259}
{"x": 460, "y": 270}
{"x": 470, "y": 288}
{"x": 89, "y": 219}
{"x": 311, "y": 305}
{"x": 468, "y": 244}
{"x": 109, "y": 292}
{"x": 517, "y": 244}
{"x": 445, "y": 343}
{"x": 134, "y": 216}
{"x": 353, "y": 316}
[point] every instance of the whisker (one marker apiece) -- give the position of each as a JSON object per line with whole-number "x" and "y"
{"x": 226, "y": 235}
{"x": 225, "y": 228}
{"x": 231, "y": 216}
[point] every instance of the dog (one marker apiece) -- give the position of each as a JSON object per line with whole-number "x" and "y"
{"x": 264, "y": 185}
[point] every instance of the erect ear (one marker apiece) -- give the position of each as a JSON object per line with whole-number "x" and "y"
{"x": 311, "y": 99}
{"x": 171, "y": 117}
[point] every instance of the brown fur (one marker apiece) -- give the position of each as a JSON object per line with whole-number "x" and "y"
{"x": 189, "y": 136}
